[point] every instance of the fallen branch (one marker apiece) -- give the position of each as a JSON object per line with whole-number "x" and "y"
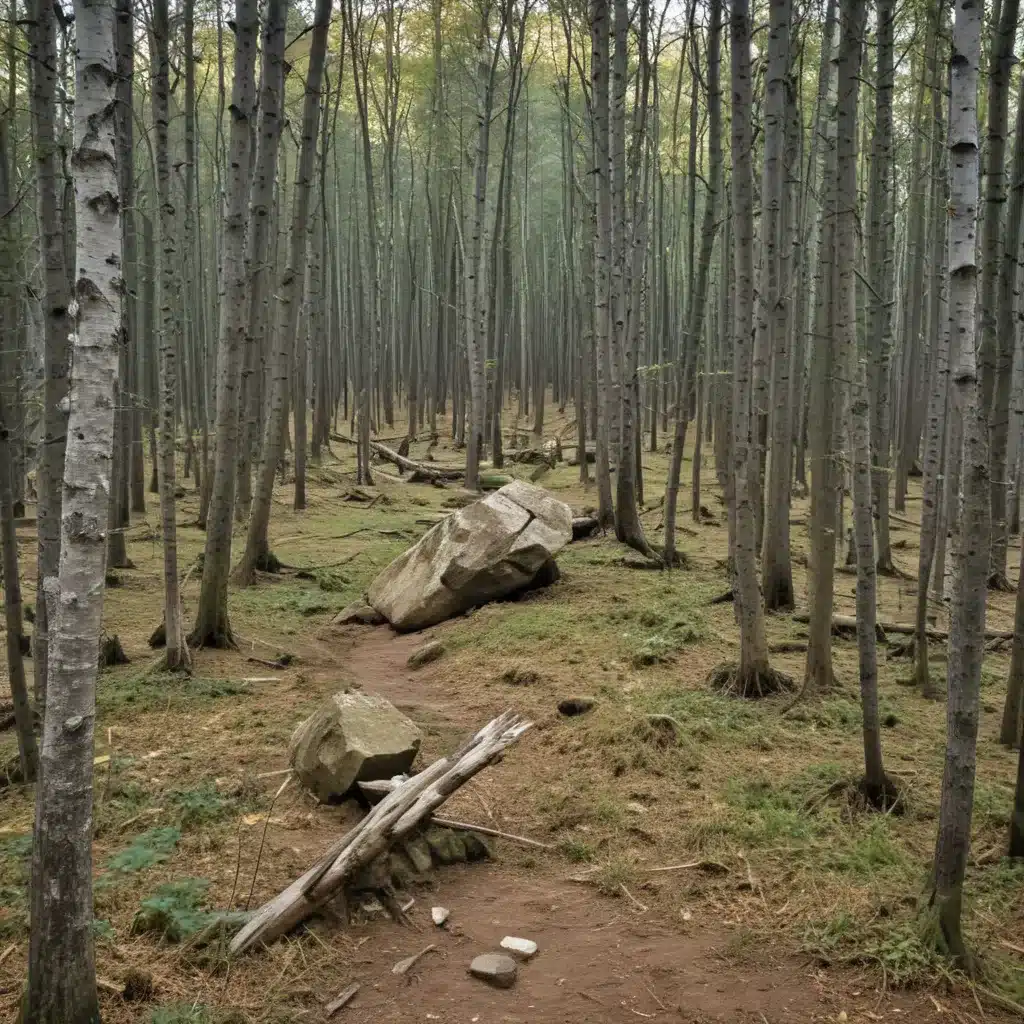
{"x": 398, "y": 814}
{"x": 711, "y": 867}
{"x": 426, "y": 472}
{"x": 484, "y": 831}
{"x": 903, "y": 628}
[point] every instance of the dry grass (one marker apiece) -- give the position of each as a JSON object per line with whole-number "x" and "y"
{"x": 732, "y": 782}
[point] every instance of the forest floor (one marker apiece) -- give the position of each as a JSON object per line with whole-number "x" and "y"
{"x": 808, "y": 916}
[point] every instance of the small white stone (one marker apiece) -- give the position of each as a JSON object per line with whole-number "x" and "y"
{"x": 523, "y": 949}
{"x": 439, "y": 915}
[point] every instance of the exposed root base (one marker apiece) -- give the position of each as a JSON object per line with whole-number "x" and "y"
{"x": 887, "y": 798}
{"x": 751, "y": 685}
{"x": 941, "y": 930}
{"x": 219, "y": 639}
{"x": 269, "y": 562}
{"x": 998, "y": 581}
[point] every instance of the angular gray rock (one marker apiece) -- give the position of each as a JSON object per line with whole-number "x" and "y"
{"x": 497, "y": 546}
{"x": 352, "y": 737}
{"x": 495, "y": 968}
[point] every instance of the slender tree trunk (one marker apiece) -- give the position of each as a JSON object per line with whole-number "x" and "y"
{"x": 600, "y": 70}
{"x": 881, "y": 270}
{"x": 56, "y": 352}
{"x": 257, "y": 553}
{"x": 877, "y": 789}
{"x": 62, "y": 973}
{"x": 698, "y": 299}
{"x": 177, "y": 655}
{"x": 967, "y": 619}
{"x": 775, "y": 265}
{"x": 212, "y": 626}
{"x": 996, "y": 351}
{"x": 28, "y": 751}
{"x": 754, "y": 676}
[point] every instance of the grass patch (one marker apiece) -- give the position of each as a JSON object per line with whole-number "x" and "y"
{"x": 871, "y": 853}
{"x": 122, "y": 692}
{"x": 151, "y": 848}
{"x": 182, "y": 1013}
{"x": 175, "y": 911}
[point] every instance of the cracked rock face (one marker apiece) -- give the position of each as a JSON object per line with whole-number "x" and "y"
{"x": 501, "y": 544}
{"x": 352, "y": 737}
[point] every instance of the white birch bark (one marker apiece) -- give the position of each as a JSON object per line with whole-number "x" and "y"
{"x": 62, "y": 978}
{"x": 967, "y": 619}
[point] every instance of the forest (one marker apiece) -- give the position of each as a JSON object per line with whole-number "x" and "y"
{"x": 325, "y": 327}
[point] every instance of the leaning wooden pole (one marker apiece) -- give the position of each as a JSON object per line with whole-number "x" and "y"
{"x": 401, "y": 811}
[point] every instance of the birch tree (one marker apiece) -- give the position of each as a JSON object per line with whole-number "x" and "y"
{"x": 212, "y": 627}
{"x": 61, "y": 985}
{"x": 753, "y": 676}
{"x": 257, "y": 554}
{"x": 967, "y": 617}
{"x": 42, "y": 32}
{"x": 176, "y": 657}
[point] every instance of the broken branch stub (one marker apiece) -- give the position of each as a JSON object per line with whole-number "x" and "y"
{"x": 397, "y": 815}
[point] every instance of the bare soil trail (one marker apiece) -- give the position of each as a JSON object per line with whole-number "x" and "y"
{"x": 600, "y": 959}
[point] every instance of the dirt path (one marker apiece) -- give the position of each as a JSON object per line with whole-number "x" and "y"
{"x": 601, "y": 960}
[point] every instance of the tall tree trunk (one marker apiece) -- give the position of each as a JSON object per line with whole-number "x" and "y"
{"x": 775, "y": 265}
{"x": 11, "y": 436}
{"x": 877, "y": 788}
{"x": 177, "y": 656}
{"x": 967, "y": 619}
{"x": 257, "y": 553}
{"x": 697, "y": 307}
{"x": 881, "y": 270}
{"x": 824, "y": 412}
{"x": 62, "y": 972}
{"x": 600, "y": 71}
{"x": 996, "y": 352}
{"x": 753, "y": 676}
{"x": 212, "y": 626}
{"x": 56, "y": 352}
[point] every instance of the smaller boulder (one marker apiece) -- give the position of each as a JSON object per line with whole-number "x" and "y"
{"x": 361, "y": 612}
{"x": 352, "y": 737}
{"x": 584, "y": 526}
{"x": 426, "y": 654}
{"x": 439, "y": 915}
{"x": 495, "y": 968}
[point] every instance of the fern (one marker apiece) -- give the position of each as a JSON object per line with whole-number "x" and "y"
{"x": 152, "y": 847}
{"x": 175, "y": 912}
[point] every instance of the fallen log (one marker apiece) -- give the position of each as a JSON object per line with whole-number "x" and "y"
{"x": 423, "y": 471}
{"x": 401, "y": 811}
{"x": 844, "y": 622}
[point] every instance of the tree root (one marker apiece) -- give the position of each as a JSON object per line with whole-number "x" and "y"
{"x": 888, "y": 797}
{"x": 940, "y": 929}
{"x": 999, "y": 582}
{"x": 752, "y": 684}
{"x": 269, "y": 562}
{"x": 220, "y": 639}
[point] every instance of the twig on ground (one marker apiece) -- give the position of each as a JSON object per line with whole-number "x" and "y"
{"x": 263, "y": 838}
{"x": 711, "y": 866}
{"x": 484, "y": 831}
{"x": 632, "y": 899}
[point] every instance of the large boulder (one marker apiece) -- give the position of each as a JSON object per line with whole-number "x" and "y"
{"x": 352, "y": 737}
{"x": 501, "y": 544}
